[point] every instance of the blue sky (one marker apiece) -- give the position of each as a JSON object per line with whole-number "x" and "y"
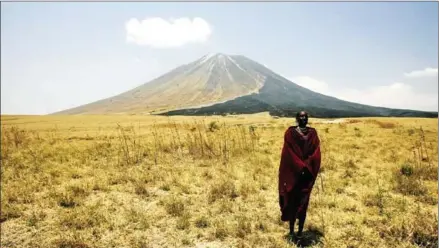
{"x": 61, "y": 55}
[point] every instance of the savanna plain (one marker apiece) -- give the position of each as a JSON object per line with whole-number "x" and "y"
{"x": 156, "y": 181}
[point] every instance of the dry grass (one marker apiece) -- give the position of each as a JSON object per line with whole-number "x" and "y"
{"x": 130, "y": 181}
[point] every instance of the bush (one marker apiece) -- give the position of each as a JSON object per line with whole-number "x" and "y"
{"x": 410, "y": 186}
{"x": 175, "y": 207}
{"x": 183, "y": 222}
{"x": 141, "y": 190}
{"x": 221, "y": 190}
{"x": 221, "y": 231}
{"x": 213, "y": 126}
{"x": 202, "y": 222}
{"x": 407, "y": 169}
{"x": 244, "y": 227}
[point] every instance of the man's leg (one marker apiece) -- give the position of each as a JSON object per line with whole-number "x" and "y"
{"x": 301, "y": 224}
{"x": 292, "y": 223}
{"x": 302, "y": 215}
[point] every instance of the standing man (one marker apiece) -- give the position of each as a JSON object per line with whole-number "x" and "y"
{"x": 299, "y": 166}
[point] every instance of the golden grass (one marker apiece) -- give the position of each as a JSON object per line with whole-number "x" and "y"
{"x": 133, "y": 181}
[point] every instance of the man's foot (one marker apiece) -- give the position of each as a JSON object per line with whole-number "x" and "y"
{"x": 299, "y": 236}
{"x": 299, "y": 239}
{"x": 291, "y": 237}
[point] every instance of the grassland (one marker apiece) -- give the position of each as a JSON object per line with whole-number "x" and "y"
{"x": 130, "y": 181}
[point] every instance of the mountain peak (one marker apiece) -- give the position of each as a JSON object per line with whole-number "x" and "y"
{"x": 213, "y": 56}
{"x": 218, "y": 59}
{"x": 210, "y": 55}
{"x": 217, "y": 56}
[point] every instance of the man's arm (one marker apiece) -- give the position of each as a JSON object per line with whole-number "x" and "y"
{"x": 288, "y": 150}
{"x": 314, "y": 159}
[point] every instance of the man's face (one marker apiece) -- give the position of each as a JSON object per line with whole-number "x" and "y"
{"x": 303, "y": 119}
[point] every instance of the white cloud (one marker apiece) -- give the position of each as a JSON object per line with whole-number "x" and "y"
{"x": 138, "y": 60}
{"x": 396, "y": 95}
{"x": 427, "y": 72}
{"x": 160, "y": 33}
{"x": 312, "y": 84}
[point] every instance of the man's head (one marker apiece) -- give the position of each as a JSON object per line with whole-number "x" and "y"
{"x": 302, "y": 118}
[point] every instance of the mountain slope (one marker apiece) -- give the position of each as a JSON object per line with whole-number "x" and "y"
{"x": 220, "y": 84}
{"x": 281, "y": 97}
{"x": 210, "y": 79}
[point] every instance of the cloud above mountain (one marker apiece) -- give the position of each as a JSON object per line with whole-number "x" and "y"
{"x": 312, "y": 84}
{"x": 408, "y": 93}
{"x": 427, "y": 72}
{"x": 395, "y": 95}
{"x": 160, "y": 33}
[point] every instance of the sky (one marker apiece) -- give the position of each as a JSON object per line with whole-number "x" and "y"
{"x": 59, "y": 55}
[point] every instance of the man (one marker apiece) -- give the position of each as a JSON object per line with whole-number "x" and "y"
{"x": 299, "y": 166}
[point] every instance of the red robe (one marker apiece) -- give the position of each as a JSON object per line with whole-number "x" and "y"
{"x": 299, "y": 152}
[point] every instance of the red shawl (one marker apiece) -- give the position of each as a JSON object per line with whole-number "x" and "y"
{"x": 294, "y": 159}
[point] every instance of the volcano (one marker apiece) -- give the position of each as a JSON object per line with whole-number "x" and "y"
{"x": 230, "y": 84}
